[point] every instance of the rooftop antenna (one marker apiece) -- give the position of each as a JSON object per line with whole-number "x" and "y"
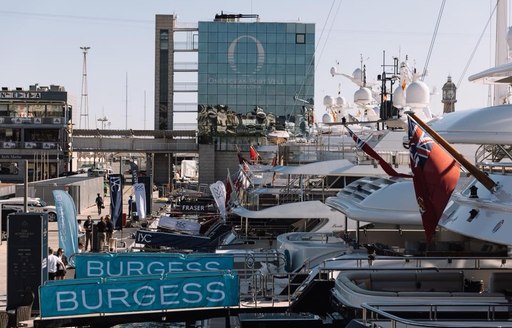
{"x": 126, "y": 104}
{"x": 144, "y": 109}
{"x": 84, "y": 100}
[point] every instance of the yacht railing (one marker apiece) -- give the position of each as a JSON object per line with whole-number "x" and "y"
{"x": 374, "y": 316}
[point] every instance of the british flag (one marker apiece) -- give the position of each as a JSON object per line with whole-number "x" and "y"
{"x": 362, "y": 145}
{"x": 435, "y": 176}
{"x": 420, "y": 145}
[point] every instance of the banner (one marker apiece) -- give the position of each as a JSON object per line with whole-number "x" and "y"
{"x": 101, "y": 265}
{"x": 135, "y": 172}
{"x": 140, "y": 199}
{"x": 218, "y": 190}
{"x": 181, "y": 225}
{"x": 116, "y": 200}
{"x": 67, "y": 222}
{"x": 148, "y": 185}
{"x": 140, "y": 293}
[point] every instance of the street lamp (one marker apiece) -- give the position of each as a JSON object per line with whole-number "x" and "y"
{"x": 103, "y": 120}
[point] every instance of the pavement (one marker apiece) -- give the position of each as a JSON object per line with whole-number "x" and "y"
{"x": 53, "y": 240}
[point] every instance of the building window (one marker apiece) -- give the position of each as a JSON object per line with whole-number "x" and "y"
{"x": 164, "y": 40}
{"x": 300, "y": 38}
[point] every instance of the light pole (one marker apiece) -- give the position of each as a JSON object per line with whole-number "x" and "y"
{"x": 103, "y": 120}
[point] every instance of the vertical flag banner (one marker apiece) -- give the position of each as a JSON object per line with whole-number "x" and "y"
{"x": 435, "y": 176}
{"x": 116, "y": 200}
{"x": 135, "y": 172}
{"x": 67, "y": 222}
{"x": 140, "y": 199}
{"x": 218, "y": 190}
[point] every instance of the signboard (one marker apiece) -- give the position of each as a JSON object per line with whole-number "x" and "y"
{"x": 143, "y": 293}
{"x": 181, "y": 225}
{"x": 97, "y": 265}
{"x": 27, "y": 251}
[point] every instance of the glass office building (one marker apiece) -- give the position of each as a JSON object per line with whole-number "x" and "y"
{"x": 245, "y": 65}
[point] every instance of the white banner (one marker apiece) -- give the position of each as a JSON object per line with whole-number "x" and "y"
{"x": 140, "y": 199}
{"x": 218, "y": 190}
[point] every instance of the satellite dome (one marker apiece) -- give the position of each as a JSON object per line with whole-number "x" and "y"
{"x": 399, "y": 97}
{"x": 358, "y": 75}
{"x": 341, "y": 102}
{"x": 363, "y": 96}
{"x": 417, "y": 94}
{"x": 333, "y": 71}
{"x": 327, "y": 118}
{"x": 328, "y": 101}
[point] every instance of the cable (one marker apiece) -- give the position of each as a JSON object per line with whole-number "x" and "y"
{"x": 476, "y": 47}
{"x": 432, "y": 42}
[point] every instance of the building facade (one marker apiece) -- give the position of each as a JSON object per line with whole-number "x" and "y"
{"x": 35, "y": 127}
{"x": 251, "y": 74}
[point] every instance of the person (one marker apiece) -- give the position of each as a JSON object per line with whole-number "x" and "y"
{"x": 80, "y": 248}
{"x": 81, "y": 231}
{"x": 109, "y": 228}
{"x": 61, "y": 266}
{"x": 102, "y": 228}
{"x": 99, "y": 203}
{"x": 52, "y": 263}
{"x": 88, "y": 232}
{"x": 105, "y": 189}
{"x": 130, "y": 202}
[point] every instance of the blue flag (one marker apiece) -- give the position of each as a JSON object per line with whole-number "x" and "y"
{"x": 67, "y": 222}
{"x": 116, "y": 201}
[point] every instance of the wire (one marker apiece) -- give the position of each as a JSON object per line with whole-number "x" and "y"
{"x": 476, "y": 46}
{"x": 433, "y": 41}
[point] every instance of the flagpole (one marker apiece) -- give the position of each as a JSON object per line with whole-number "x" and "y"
{"x": 479, "y": 175}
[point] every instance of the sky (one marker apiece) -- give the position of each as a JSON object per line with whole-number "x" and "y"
{"x": 42, "y": 40}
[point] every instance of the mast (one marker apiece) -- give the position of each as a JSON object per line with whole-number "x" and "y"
{"x": 501, "y": 51}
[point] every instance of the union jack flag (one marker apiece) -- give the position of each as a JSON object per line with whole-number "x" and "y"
{"x": 362, "y": 145}
{"x": 420, "y": 145}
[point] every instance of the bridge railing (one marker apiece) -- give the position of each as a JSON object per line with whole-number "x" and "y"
{"x": 133, "y": 144}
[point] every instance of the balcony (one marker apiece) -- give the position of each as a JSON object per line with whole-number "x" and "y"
{"x": 55, "y": 121}
{"x": 30, "y": 145}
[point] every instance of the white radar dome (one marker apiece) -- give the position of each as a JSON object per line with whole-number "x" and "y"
{"x": 399, "y": 97}
{"x": 341, "y": 102}
{"x": 358, "y": 75}
{"x": 417, "y": 94}
{"x": 328, "y": 101}
{"x": 363, "y": 96}
{"x": 327, "y": 118}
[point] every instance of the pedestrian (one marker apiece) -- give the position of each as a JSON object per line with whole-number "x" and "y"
{"x": 80, "y": 248}
{"x": 99, "y": 203}
{"x": 62, "y": 265}
{"x": 102, "y": 229}
{"x": 81, "y": 231}
{"x": 109, "y": 228}
{"x": 88, "y": 232}
{"x": 52, "y": 262}
{"x": 130, "y": 202}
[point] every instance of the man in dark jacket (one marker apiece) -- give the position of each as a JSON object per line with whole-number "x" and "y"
{"x": 99, "y": 203}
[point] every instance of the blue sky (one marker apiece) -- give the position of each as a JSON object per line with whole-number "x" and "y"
{"x": 42, "y": 40}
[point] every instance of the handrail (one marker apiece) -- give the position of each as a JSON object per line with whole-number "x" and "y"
{"x": 373, "y": 312}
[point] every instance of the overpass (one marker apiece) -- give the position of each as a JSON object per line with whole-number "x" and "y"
{"x": 148, "y": 141}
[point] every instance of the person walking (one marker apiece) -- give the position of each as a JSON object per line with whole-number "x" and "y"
{"x": 52, "y": 262}
{"x": 99, "y": 203}
{"x": 62, "y": 265}
{"x": 102, "y": 229}
{"x": 88, "y": 232}
{"x": 130, "y": 202}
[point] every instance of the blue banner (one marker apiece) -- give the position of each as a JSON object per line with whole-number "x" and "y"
{"x": 116, "y": 201}
{"x": 135, "y": 172}
{"x": 174, "y": 291}
{"x": 67, "y": 222}
{"x": 99, "y": 265}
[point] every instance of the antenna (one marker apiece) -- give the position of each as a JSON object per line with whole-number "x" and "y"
{"x": 144, "y": 109}
{"x": 126, "y": 104}
{"x": 84, "y": 100}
